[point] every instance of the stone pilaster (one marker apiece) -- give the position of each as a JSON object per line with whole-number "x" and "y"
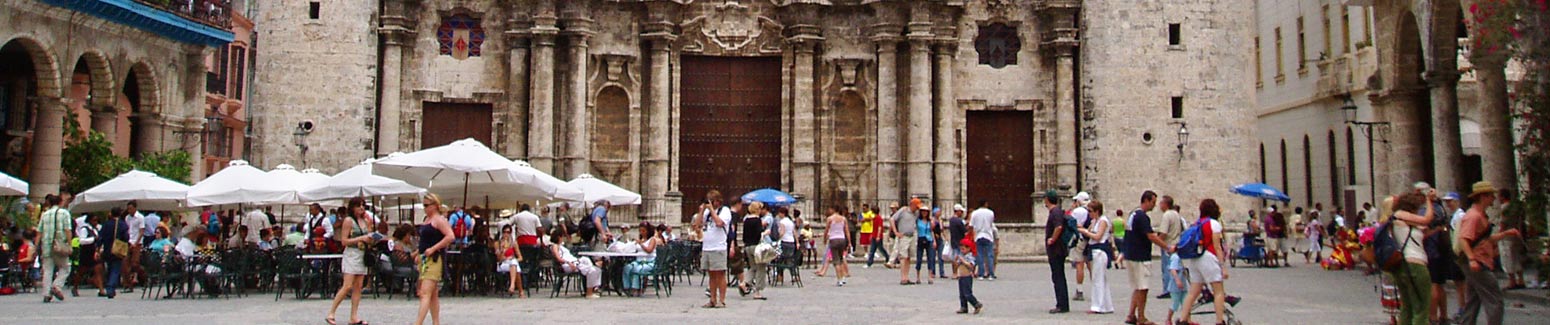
{"x": 577, "y": 136}
{"x": 104, "y": 119}
{"x": 946, "y": 118}
{"x": 919, "y": 178}
{"x": 1499, "y": 158}
{"x": 192, "y": 128}
{"x": 804, "y": 124}
{"x": 47, "y": 144}
{"x": 1446, "y": 150}
{"x": 390, "y": 124}
{"x": 541, "y": 121}
{"x": 516, "y": 126}
{"x": 886, "y": 38}
{"x": 656, "y": 146}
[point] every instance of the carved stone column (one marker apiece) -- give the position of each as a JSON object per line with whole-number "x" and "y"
{"x": 577, "y": 135}
{"x": 541, "y": 106}
{"x": 395, "y": 34}
{"x": 887, "y": 37}
{"x": 946, "y": 118}
{"x": 1499, "y": 158}
{"x": 104, "y": 119}
{"x": 656, "y": 146}
{"x": 919, "y": 177}
{"x": 47, "y": 143}
{"x": 191, "y": 129}
{"x": 1060, "y": 41}
{"x": 1402, "y": 137}
{"x": 149, "y": 139}
{"x": 517, "y": 96}
{"x": 1446, "y": 150}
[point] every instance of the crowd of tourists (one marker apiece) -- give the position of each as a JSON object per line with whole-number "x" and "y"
{"x": 1420, "y": 239}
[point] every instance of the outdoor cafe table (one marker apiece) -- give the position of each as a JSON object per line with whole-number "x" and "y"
{"x": 613, "y": 270}
{"x": 327, "y": 265}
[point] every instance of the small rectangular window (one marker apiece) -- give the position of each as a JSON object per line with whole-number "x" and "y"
{"x": 1178, "y": 107}
{"x": 1173, "y": 34}
{"x": 313, "y": 9}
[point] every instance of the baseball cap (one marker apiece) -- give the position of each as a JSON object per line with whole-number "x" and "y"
{"x": 959, "y": 207}
{"x": 1422, "y": 185}
{"x": 1452, "y": 196}
{"x": 1082, "y": 197}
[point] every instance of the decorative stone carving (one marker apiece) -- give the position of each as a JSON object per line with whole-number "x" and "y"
{"x": 998, "y": 44}
{"x": 732, "y": 29}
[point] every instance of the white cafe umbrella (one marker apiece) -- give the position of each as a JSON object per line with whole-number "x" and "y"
{"x": 11, "y": 186}
{"x": 599, "y": 190}
{"x": 537, "y": 186}
{"x": 316, "y": 177}
{"x": 286, "y": 177}
{"x": 463, "y": 164}
{"x": 359, "y": 182}
{"x": 239, "y": 183}
{"x": 151, "y": 192}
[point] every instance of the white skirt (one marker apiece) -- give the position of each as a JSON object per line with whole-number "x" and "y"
{"x": 354, "y": 261}
{"x": 509, "y": 265}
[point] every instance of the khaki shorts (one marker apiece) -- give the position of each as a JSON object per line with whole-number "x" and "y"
{"x": 1140, "y": 274}
{"x": 904, "y": 248}
{"x": 713, "y": 260}
{"x": 1275, "y": 244}
{"x": 1077, "y": 255}
{"x": 430, "y": 269}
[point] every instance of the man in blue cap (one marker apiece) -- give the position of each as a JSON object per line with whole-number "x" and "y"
{"x": 1440, "y": 259}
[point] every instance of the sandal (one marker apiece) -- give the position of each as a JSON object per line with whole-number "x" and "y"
{"x": 360, "y": 322}
{"x": 708, "y": 305}
{"x": 330, "y": 321}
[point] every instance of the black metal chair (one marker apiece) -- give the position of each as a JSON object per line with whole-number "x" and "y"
{"x": 291, "y": 269}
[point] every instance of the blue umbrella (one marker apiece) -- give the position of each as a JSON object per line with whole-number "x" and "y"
{"x": 770, "y": 197}
{"x": 1261, "y": 191}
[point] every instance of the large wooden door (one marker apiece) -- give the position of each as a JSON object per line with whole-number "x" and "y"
{"x": 1001, "y": 162}
{"x": 448, "y": 122}
{"x": 729, "y": 126}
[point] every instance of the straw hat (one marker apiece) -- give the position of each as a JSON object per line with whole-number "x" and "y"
{"x": 1481, "y": 188}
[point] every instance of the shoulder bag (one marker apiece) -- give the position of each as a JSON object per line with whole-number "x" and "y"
{"x": 60, "y": 247}
{"x": 120, "y": 247}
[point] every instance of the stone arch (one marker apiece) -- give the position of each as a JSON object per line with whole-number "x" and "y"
{"x": 140, "y": 85}
{"x": 850, "y": 126}
{"x": 611, "y": 124}
{"x": 44, "y": 66}
{"x": 100, "y": 73}
{"x": 139, "y": 88}
{"x": 1409, "y": 56}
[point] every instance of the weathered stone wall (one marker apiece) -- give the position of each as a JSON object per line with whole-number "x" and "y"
{"x": 323, "y": 70}
{"x": 1129, "y": 73}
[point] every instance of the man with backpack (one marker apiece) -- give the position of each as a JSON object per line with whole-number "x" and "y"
{"x": 1055, "y": 245}
{"x": 1138, "y": 251}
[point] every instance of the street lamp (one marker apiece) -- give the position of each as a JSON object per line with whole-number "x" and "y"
{"x": 1183, "y": 137}
{"x": 1349, "y": 108}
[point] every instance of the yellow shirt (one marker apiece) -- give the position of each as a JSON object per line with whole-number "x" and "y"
{"x": 866, "y": 222}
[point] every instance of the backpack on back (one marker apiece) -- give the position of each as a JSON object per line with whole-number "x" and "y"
{"x": 1386, "y": 251}
{"x": 1189, "y": 246}
{"x": 1069, "y": 235}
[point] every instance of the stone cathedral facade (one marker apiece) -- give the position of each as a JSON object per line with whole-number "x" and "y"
{"x": 838, "y": 101}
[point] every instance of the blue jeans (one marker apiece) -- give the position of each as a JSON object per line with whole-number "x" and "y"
{"x": 984, "y": 258}
{"x": 925, "y": 251}
{"x": 877, "y": 245}
{"x": 966, "y": 293}
{"x": 113, "y": 268}
{"x": 634, "y": 271}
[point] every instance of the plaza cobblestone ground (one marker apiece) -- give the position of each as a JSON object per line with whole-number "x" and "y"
{"x": 1299, "y": 295}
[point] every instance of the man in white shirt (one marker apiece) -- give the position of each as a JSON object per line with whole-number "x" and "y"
{"x": 136, "y": 222}
{"x": 255, "y": 219}
{"x": 316, "y": 217}
{"x": 983, "y": 222}
{"x": 1078, "y": 254}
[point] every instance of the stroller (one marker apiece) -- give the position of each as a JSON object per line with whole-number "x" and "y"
{"x": 1206, "y": 305}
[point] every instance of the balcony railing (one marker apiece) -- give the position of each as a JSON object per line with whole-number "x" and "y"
{"x": 216, "y": 13}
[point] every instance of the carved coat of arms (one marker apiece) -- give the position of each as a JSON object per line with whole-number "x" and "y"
{"x": 732, "y": 25}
